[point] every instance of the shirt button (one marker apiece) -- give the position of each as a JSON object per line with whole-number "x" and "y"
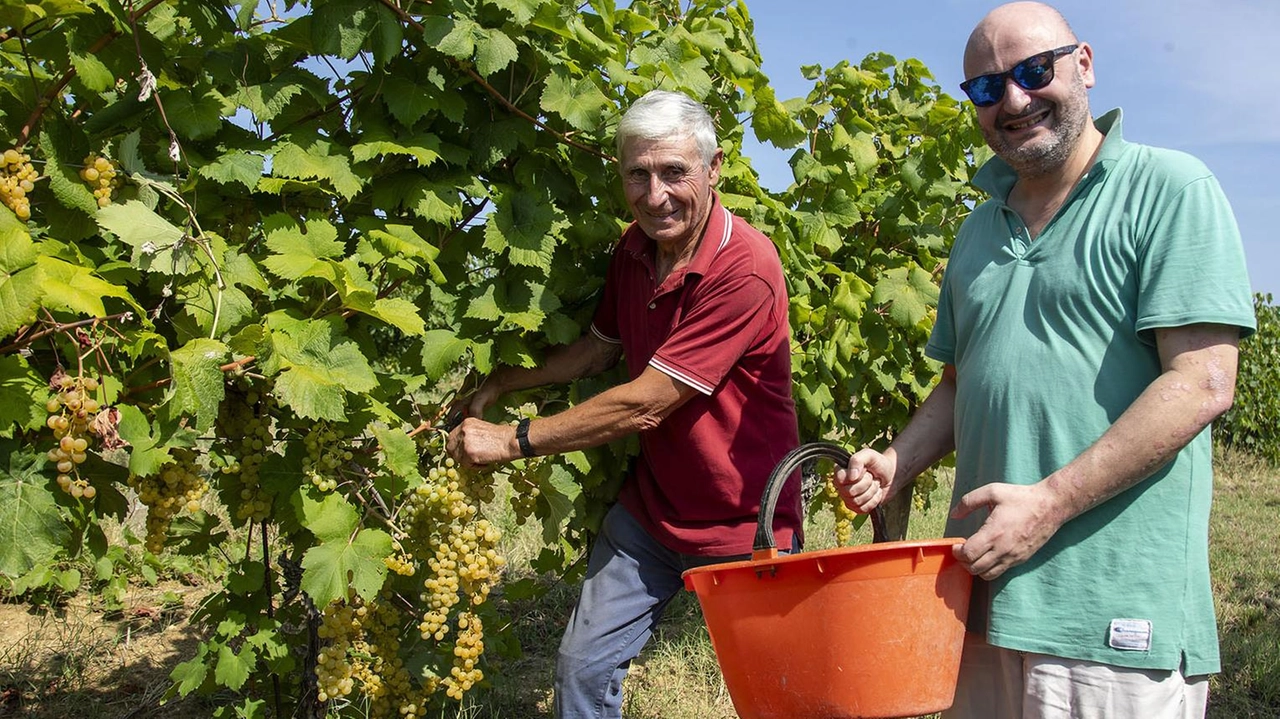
{"x": 653, "y": 305}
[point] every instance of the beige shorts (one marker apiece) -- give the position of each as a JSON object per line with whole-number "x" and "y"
{"x": 1000, "y": 683}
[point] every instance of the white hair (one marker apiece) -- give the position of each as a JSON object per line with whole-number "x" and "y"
{"x": 660, "y": 114}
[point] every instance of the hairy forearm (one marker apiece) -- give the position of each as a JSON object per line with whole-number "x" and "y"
{"x": 633, "y": 407}
{"x": 1175, "y": 408}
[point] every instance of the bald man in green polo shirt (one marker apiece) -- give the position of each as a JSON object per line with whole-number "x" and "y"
{"x": 1088, "y": 324}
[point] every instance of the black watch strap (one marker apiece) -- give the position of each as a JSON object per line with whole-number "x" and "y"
{"x": 522, "y": 437}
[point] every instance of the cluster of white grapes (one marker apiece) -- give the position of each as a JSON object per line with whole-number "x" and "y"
{"x": 244, "y": 431}
{"x": 178, "y": 486}
{"x": 17, "y": 180}
{"x": 72, "y": 410}
{"x": 102, "y": 176}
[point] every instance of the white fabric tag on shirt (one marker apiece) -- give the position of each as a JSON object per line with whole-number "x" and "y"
{"x": 1130, "y": 634}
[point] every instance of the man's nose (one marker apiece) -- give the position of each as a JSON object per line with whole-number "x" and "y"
{"x": 1015, "y": 99}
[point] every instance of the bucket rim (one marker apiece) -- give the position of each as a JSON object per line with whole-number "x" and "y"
{"x": 783, "y": 559}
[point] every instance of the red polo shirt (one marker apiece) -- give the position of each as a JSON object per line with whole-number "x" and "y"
{"x": 719, "y": 326}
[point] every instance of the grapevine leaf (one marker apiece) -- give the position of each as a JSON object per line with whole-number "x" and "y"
{"x": 453, "y": 37}
{"x": 560, "y": 492}
{"x": 153, "y": 238}
{"x": 580, "y": 102}
{"x": 862, "y": 149}
{"x": 441, "y": 349}
{"x": 21, "y": 285}
{"x": 850, "y": 297}
{"x": 63, "y": 180}
{"x": 233, "y": 669}
{"x": 907, "y": 292}
{"x": 339, "y": 27}
{"x": 293, "y": 162}
{"x": 494, "y": 51}
{"x": 425, "y": 149}
{"x": 190, "y": 675}
{"x": 317, "y": 372}
{"x": 299, "y": 250}
{"x": 347, "y": 555}
{"x": 522, "y": 11}
{"x": 145, "y": 458}
{"x": 526, "y": 225}
{"x": 485, "y": 307}
{"x": 400, "y": 313}
{"x": 399, "y": 452}
{"x": 92, "y": 72}
{"x": 76, "y": 288}
{"x": 31, "y": 532}
{"x": 403, "y": 242}
{"x": 194, "y": 114}
{"x": 22, "y": 392}
{"x": 406, "y": 100}
{"x": 772, "y": 123}
{"x": 244, "y": 168}
{"x": 268, "y": 99}
{"x": 197, "y": 380}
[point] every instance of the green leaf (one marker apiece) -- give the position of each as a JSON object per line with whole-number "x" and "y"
{"x": 441, "y": 349}
{"x": 560, "y": 491}
{"x": 197, "y": 380}
{"x": 190, "y": 675}
{"x": 31, "y": 532}
{"x": 193, "y": 116}
{"x": 232, "y": 669}
{"x": 91, "y": 72}
{"x": 423, "y": 149}
{"x": 862, "y": 150}
{"x": 399, "y": 452}
{"x": 154, "y": 239}
{"x": 579, "y": 102}
{"x": 22, "y": 395}
{"x": 244, "y": 168}
{"x": 494, "y": 51}
{"x": 299, "y": 250}
{"x": 269, "y": 99}
{"x": 63, "y": 180}
{"x": 315, "y": 162}
{"x": 317, "y": 371}
{"x": 21, "y": 284}
{"x": 77, "y": 289}
{"x": 772, "y": 123}
{"x": 525, "y": 225}
{"x": 145, "y": 458}
{"x": 347, "y": 555}
{"x": 399, "y": 313}
{"x": 908, "y": 292}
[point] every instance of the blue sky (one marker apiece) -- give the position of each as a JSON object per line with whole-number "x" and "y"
{"x": 1194, "y": 75}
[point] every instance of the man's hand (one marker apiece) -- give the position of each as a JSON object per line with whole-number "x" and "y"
{"x": 476, "y": 443}
{"x": 868, "y": 480}
{"x": 1020, "y": 520}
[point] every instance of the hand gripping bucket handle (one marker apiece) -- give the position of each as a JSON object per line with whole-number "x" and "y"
{"x": 764, "y": 546}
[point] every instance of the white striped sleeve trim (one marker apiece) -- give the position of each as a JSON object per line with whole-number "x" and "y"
{"x": 602, "y": 337}
{"x": 676, "y": 374}
{"x": 728, "y": 229}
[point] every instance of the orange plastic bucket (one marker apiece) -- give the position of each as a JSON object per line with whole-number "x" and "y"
{"x": 871, "y": 631}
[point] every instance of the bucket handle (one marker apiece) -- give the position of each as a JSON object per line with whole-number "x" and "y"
{"x": 765, "y": 546}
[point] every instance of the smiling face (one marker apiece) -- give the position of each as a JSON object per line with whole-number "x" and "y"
{"x": 1035, "y": 131}
{"x": 668, "y": 188}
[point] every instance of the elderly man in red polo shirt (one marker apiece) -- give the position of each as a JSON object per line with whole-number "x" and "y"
{"x": 695, "y": 301}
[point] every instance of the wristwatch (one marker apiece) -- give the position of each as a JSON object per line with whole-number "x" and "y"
{"x": 522, "y": 438}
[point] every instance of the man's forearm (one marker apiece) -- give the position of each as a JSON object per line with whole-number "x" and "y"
{"x": 1171, "y": 412}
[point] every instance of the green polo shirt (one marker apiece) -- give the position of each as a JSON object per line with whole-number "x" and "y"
{"x": 1052, "y": 340}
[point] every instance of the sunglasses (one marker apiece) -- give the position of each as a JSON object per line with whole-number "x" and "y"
{"x": 1031, "y": 74}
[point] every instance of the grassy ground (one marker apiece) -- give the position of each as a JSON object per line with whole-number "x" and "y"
{"x": 78, "y": 662}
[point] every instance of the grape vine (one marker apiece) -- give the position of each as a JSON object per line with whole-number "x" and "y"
{"x": 280, "y": 241}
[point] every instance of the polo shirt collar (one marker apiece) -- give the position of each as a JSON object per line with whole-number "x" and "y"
{"x": 714, "y": 237}
{"x": 997, "y": 178}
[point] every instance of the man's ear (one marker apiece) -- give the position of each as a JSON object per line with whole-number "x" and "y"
{"x": 1084, "y": 64}
{"x": 716, "y": 161}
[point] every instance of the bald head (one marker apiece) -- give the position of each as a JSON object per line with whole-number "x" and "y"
{"x": 1017, "y": 24}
